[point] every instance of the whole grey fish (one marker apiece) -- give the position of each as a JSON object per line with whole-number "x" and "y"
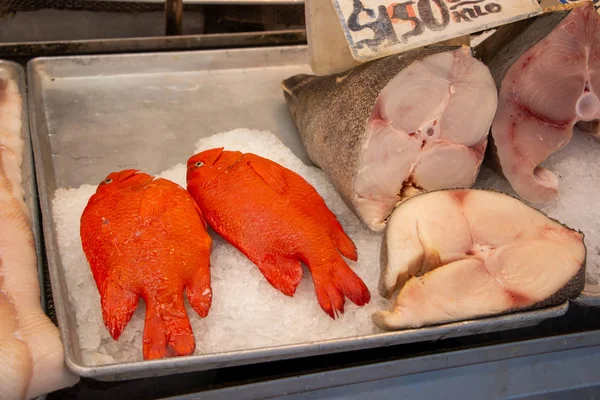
{"x": 495, "y": 255}
{"x": 547, "y": 70}
{"x": 394, "y": 127}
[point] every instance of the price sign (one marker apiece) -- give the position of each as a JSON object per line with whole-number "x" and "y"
{"x": 377, "y": 28}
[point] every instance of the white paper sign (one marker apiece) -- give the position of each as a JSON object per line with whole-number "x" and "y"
{"x": 377, "y": 28}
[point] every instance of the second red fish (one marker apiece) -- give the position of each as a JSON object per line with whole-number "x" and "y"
{"x": 277, "y": 219}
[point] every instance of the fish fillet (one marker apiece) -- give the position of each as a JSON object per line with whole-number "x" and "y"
{"x": 548, "y": 74}
{"x": 494, "y": 254}
{"x": 31, "y": 352}
{"x": 15, "y": 372}
{"x": 11, "y": 143}
{"x": 398, "y": 126}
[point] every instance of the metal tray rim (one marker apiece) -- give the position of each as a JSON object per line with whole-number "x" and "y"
{"x": 31, "y": 64}
{"x": 292, "y": 351}
{"x": 46, "y": 221}
{"x": 588, "y": 299}
{"x": 210, "y": 361}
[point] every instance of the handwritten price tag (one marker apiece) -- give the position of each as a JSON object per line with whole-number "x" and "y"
{"x": 377, "y": 28}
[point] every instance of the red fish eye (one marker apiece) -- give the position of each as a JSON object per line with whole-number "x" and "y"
{"x": 199, "y": 164}
{"x": 109, "y": 180}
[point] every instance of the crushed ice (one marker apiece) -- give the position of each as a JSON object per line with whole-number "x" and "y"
{"x": 247, "y": 312}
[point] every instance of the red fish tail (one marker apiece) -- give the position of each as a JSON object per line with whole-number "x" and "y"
{"x": 118, "y": 305}
{"x": 199, "y": 291}
{"x": 167, "y": 330}
{"x": 333, "y": 282}
{"x": 283, "y": 273}
{"x": 350, "y": 284}
{"x": 329, "y": 296}
{"x": 343, "y": 243}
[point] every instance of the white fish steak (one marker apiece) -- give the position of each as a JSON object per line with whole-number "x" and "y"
{"x": 455, "y": 255}
{"x": 391, "y": 128}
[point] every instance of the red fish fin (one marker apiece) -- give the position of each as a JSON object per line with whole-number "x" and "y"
{"x": 284, "y": 274}
{"x": 118, "y": 305}
{"x": 155, "y": 202}
{"x": 304, "y": 196}
{"x": 199, "y": 291}
{"x": 167, "y": 333}
{"x": 331, "y": 285}
{"x": 199, "y": 211}
{"x": 272, "y": 173}
{"x": 343, "y": 243}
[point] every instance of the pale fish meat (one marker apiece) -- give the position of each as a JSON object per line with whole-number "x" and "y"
{"x": 397, "y": 126}
{"x": 548, "y": 73}
{"x": 31, "y": 352}
{"x": 493, "y": 255}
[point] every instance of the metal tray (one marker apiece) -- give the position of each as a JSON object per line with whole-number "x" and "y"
{"x": 590, "y": 297}
{"x": 88, "y": 112}
{"x": 15, "y": 71}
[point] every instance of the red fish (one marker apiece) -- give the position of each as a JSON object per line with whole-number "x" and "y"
{"x": 146, "y": 237}
{"x": 277, "y": 219}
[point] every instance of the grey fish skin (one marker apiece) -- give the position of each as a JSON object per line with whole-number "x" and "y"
{"x": 331, "y": 112}
{"x": 334, "y": 114}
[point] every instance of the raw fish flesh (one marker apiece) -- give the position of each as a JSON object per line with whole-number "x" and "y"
{"x": 461, "y": 254}
{"x": 278, "y": 220}
{"x": 146, "y": 237}
{"x": 11, "y": 142}
{"x": 31, "y": 352}
{"x": 398, "y": 126}
{"x": 548, "y": 72}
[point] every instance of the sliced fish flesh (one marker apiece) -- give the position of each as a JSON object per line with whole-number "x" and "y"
{"x": 494, "y": 254}
{"x": 15, "y": 371}
{"x": 31, "y": 352}
{"x": 398, "y": 126}
{"x": 547, "y": 70}
{"x": 11, "y": 142}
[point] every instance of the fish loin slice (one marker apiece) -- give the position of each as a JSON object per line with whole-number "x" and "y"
{"x": 459, "y": 290}
{"x": 18, "y": 266}
{"x": 493, "y": 255}
{"x": 548, "y": 75}
{"x": 15, "y": 358}
{"x": 34, "y": 352}
{"x": 397, "y": 126}
{"x": 11, "y": 140}
{"x": 419, "y": 243}
{"x": 522, "y": 268}
{"x": 10, "y": 118}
